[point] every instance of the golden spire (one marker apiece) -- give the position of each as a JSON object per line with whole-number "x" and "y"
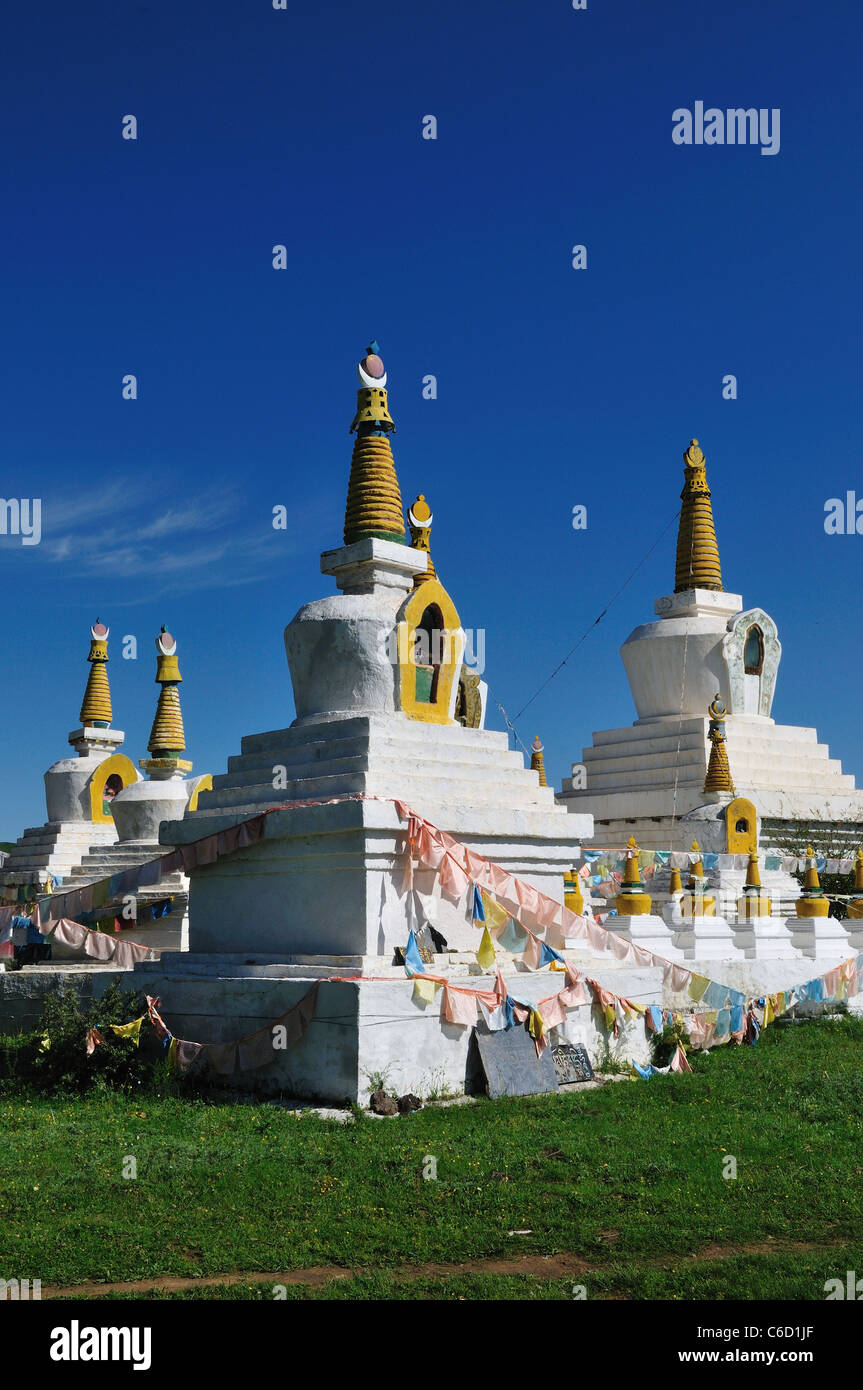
{"x": 812, "y": 902}
{"x": 674, "y": 884}
{"x": 537, "y": 761}
{"x": 572, "y": 895}
{"x": 374, "y": 506}
{"x": 858, "y": 870}
{"x": 167, "y": 736}
{"x": 96, "y": 709}
{"x": 696, "y": 867}
{"x": 420, "y": 520}
{"x": 632, "y": 901}
{"x": 811, "y": 881}
{"x": 753, "y": 876}
{"x": 718, "y": 778}
{"x": 697, "y": 563}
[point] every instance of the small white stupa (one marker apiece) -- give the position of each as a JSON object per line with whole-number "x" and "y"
{"x": 79, "y": 791}
{"x": 141, "y": 807}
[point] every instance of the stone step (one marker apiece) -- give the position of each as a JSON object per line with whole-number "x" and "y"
{"x": 411, "y": 731}
{"x": 512, "y": 788}
{"x": 349, "y": 754}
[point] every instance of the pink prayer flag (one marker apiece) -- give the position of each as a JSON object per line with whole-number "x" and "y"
{"x": 553, "y": 1011}
{"x": 453, "y": 879}
{"x": 532, "y": 952}
{"x": 257, "y": 1050}
{"x": 597, "y": 937}
{"x": 680, "y": 978}
{"x": 458, "y": 1008}
{"x": 528, "y": 897}
{"x": 679, "y": 1062}
{"x": 186, "y": 1054}
{"x": 70, "y": 933}
{"x": 221, "y": 1057}
{"x": 98, "y": 946}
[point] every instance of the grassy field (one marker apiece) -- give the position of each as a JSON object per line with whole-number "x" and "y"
{"x": 619, "y": 1191}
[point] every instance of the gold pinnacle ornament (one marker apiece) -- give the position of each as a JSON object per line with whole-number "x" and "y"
{"x": 697, "y": 562}
{"x": 718, "y": 778}
{"x": 374, "y": 505}
{"x": 420, "y": 520}
{"x": 167, "y": 736}
{"x": 812, "y": 902}
{"x": 537, "y": 761}
{"x": 96, "y": 707}
{"x": 572, "y": 894}
{"x": 632, "y": 901}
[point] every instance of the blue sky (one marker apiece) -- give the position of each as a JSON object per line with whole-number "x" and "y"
{"x": 555, "y": 386}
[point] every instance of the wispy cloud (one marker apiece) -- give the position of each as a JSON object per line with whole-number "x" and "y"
{"x": 214, "y": 539}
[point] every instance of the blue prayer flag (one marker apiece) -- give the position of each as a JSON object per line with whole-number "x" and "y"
{"x": 414, "y": 963}
{"x": 478, "y": 907}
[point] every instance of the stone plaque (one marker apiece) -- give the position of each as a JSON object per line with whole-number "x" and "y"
{"x": 571, "y": 1063}
{"x": 511, "y": 1065}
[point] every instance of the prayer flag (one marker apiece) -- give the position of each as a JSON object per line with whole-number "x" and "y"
{"x": 485, "y": 955}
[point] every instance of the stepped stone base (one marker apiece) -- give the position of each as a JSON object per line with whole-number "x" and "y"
{"x": 644, "y": 779}
{"x": 55, "y": 848}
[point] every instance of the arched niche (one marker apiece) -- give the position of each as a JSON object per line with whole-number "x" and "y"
{"x": 430, "y": 651}
{"x": 202, "y": 784}
{"x": 752, "y": 650}
{"x": 113, "y": 775}
{"x": 741, "y": 826}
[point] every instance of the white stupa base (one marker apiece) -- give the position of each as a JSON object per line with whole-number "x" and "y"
{"x": 647, "y": 931}
{"x": 368, "y": 1028}
{"x": 707, "y": 938}
{"x": 765, "y": 938}
{"x": 821, "y": 938}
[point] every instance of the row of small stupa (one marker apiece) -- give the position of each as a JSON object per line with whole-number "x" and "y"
{"x": 103, "y": 816}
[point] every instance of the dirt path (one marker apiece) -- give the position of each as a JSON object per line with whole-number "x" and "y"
{"x": 561, "y": 1266}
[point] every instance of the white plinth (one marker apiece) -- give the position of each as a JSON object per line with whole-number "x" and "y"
{"x": 765, "y": 938}
{"x": 821, "y": 938}
{"x": 707, "y": 938}
{"x": 647, "y": 931}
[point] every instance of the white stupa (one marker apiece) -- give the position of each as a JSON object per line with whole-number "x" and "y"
{"x": 384, "y": 709}
{"x": 79, "y": 791}
{"x": 649, "y": 779}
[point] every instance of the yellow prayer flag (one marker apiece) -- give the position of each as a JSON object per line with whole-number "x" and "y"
{"x": 485, "y": 955}
{"x": 536, "y": 1027}
{"x": 425, "y": 990}
{"x": 495, "y": 915}
{"x": 768, "y": 1011}
{"x": 128, "y": 1030}
{"x": 698, "y": 986}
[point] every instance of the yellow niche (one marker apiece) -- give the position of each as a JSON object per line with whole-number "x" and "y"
{"x": 741, "y": 826}
{"x": 116, "y": 769}
{"x": 430, "y": 645}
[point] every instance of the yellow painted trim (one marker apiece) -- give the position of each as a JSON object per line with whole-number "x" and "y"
{"x": 740, "y": 842}
{"x": 124, "y": 768}
{"x": 690, "y": 902}
{"x": 812, "y": 907}
{"x": 407, "y": 620}
{"x": 750, "y": 906}
{"x": 205, "y": 784}
{"x": 633, "y": 904}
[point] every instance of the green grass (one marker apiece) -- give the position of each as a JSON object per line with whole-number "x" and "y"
{"x": 627, "y": 1179}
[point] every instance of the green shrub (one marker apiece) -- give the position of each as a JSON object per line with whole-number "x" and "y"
{"x": 664, "y": 1045}
{"x": 57, "y": 1056}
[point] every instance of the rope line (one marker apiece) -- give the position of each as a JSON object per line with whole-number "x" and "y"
{"x": 596, "y": 621}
